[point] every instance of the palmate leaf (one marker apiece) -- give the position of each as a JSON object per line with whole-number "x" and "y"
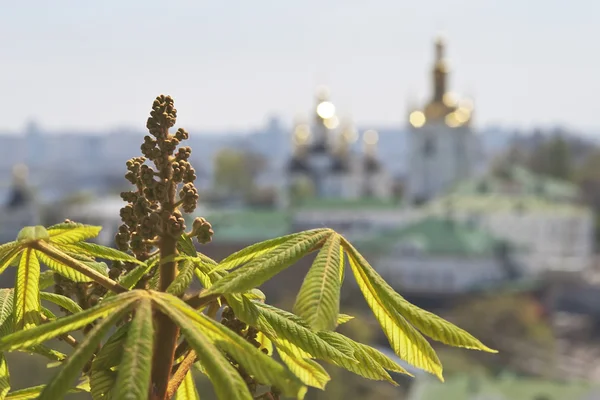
{"x": 256, "y": 250}
{"x": 343, "y": 318}
{"x": 318, "y": 301}
{"x": 39, "y": 334}
{"x": 68, "y": 233}
{"x": 104, "y": 373}
{"x": 6, "y": 311}
{"x": 96, "y": 250}
{"x": 63, "y": 381}
{"x": 136, "y": 365}
{"x": 32, "y": 233}
{"x": 4, "y": 377}
{"x": 372, "y": 364}
{"x": 254, "y": 361}
{"x": 430, "y": 324}
{"x": 299, "y": 340}
{"x": 62, "y": 269}
{"x": 227, "y": 382}
{"x": 10, "y": 256}
{"x": 186, "y": 245}
{"x": 187, "y": 390}
{"x": 62, "y": 301}
{"x": 308, "y": 371}
{"x": 27, "y": 296}
{"x": 405, "y": 340}
{"x": 183, "y": 280}
{"x": 46, "y": 279}
{"x": 263, "y": 268}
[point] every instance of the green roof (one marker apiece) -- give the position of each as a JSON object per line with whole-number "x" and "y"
{"x": 248, "y": 225}
{"x": 463, "y": 387}
{"x": 438, "y": 236}
{"x": 519, "y": 181}
{"x": 485, "y": 203}
{"x": 333, "y": 203}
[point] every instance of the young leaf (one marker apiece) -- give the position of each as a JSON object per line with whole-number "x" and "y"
{"x": 187, "y": 390}
{"x": 183, "y": 279}
{"x": 62, "y": 301}
{"x": 430, "y": 324}
{"x": 46, "y": 279}
{"x": 62, "y": 382}
{"x": 62, "y": 269}
{"x": 72, "y": 233}
{"x": 254, "y": 361}
{"x": 130, "y": 279}
{"x": 343, "y": 318}
{"x": 27, "y": 296}
{"x": 41, "y": 333}
{"x": 4, "y": 377}
{"x": 265, "y": 267}
{"x": 318, "y": 301}
{"x": 107, "y": 253}
{"x": 136, "y": 365}
{"x": 405, "y": 340}
{"x": 227, "y": 382}
{"x": 6, "y": 311}
{"x": 31, "y": 233}
{"x": 9, "y": 256}
{"x": 366, "y": 367}
{"x": 186, "y": 246}
{"x": 307, "y": 370}
{"x": 256, "y": 250}
{"x": 104, "y": 373}
{"x": 34, "y": 392}
{"x": 102, "y": 384}
{"x": 7, "y": 247}
{"x": 299, "y": 340}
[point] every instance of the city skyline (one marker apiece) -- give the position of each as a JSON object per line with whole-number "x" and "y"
{"x": 84, "y": 67}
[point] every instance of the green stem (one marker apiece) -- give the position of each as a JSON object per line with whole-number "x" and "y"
{"x": 78, "y": 266}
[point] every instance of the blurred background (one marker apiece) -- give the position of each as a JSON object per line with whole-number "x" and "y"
{"x": 457, "y": 144}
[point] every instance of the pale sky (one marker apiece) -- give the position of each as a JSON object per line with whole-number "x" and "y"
{"x": 230, "y": 64}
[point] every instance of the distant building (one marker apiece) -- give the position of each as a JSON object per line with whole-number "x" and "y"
{"x": 443, "y": 149}
{"x": 439, "y": 256}
{"x": 323, "y": 164}
{"x": 542, "y": 215}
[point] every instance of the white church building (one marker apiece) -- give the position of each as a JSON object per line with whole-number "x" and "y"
{"x": 324, "y": 163}
{"x": 443, "y": 148}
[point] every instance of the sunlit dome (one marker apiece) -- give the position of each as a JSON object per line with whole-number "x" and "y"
{"x": 332, "y": 123}
{"x": 301, "y": 134}
{"x": 462, "y": 114}
{"x": 326, "y": 110}
{"x": 417, "y": 119}
{"x": 449, "y": 99}
{"x": 452, "y": 120}
{"x": 350, "y": 135}
{"x": 371, "y": 136}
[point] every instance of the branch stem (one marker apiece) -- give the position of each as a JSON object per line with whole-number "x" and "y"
{"x": 78, "y": 266}
{"x": 180, "y": 374}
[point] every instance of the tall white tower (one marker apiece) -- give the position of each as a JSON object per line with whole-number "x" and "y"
{"x": 442, "y": 145}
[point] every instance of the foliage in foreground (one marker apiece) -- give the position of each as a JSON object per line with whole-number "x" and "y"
{"x": 142, "y": 332}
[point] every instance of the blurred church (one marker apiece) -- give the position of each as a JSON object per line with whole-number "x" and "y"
{"x": 325, "y": 165}
{"x": 443, "y": 148}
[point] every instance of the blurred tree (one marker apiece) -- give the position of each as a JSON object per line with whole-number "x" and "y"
{"x": 235, "y": 171}
{"x": 552, "y": 158}
{"x": 514, "y": 325}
